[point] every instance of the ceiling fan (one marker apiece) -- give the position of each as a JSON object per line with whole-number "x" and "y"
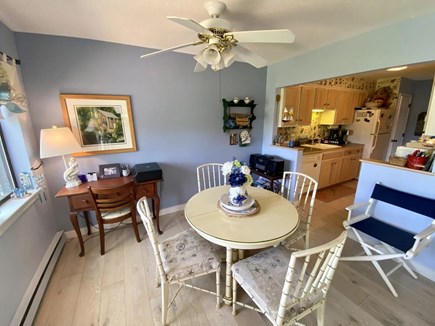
{"x": 222, "y": 45}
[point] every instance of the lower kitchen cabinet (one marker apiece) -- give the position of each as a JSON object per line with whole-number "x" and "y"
{"x": 330, "y": 172}
{"x": 339, "y": 165}
{"x": 350, "y": 167}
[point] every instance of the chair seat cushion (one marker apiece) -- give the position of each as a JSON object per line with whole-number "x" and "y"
{"x": 115, "y": 214}
{"x": 262, "y": 276}
{"x": 384, "y": 232}
{"x": 187, "y": 254}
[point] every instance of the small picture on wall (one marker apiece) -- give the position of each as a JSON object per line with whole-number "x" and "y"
{"x": 233, "y": 139}
{"x": 245, "y": 138}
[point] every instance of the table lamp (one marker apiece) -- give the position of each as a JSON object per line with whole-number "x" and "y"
{"x": 60, "y": 142}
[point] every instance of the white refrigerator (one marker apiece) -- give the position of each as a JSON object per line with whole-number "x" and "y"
{"x": 372, "y": 128}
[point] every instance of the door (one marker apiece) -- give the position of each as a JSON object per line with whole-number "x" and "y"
{"x": 399, "y": 124}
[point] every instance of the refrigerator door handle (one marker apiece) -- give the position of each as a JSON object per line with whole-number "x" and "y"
{"x": 374, "y": 142}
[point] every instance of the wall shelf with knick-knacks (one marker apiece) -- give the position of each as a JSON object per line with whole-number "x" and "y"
{"x": 236, "y": 115}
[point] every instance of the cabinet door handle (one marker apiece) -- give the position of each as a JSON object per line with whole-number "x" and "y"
{"x": 315, "y": 165}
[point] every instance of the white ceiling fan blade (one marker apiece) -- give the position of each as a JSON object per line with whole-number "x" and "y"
{"x": 249, "y": 57}
{"x": 170, "y": 49}
{"x": 189, "y": 23}
{"x": 266, "y": 36}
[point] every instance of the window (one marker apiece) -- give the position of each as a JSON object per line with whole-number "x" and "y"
{"x": 7, "y": 179}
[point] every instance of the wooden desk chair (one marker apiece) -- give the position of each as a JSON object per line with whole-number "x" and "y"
{"x": 113, "y": 205}
{"x": 180, "y": 258}
{"x": 210, "y": 175}
{"x": 300, "y": 189}
{"x": 286, "y": 286}
{"x": 382, "y": 240}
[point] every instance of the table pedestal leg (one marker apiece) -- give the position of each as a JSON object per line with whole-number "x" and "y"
{"x": 228, "y": 278}
{"x": 75, "y": 223}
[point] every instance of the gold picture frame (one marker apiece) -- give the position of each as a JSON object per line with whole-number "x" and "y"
{"x": 101, "y": 124}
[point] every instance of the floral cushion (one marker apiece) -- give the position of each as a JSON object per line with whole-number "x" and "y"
{"x": 262, "y": 276}
{"x": 187, "y": 254}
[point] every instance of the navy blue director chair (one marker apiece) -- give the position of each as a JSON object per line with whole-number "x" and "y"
{"x": 387, "y": 241}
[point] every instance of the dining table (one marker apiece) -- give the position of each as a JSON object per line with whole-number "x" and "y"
{"x": 273, "y": 220}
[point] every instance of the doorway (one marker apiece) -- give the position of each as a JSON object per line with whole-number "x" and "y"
{"x": 399, "y": 125}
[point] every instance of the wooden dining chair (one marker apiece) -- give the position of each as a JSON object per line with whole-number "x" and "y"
{"x": 179, "y": 259}
{"x": 300, "y": 189}
{"x": 286, "y": 286}
{"x": 114, "y": 205}
{"x": 210, "y": 175}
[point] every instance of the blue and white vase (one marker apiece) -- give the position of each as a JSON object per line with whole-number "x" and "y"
{"x": 238, "y": 195}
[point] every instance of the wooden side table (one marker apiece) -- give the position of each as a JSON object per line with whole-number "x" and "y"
{"x": 271, "y": 178}
{"x": 80, "y": 201}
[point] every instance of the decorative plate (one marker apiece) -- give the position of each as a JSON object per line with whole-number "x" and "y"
{"x": 225, "y": 203}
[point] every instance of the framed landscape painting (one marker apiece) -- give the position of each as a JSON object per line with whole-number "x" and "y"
{"x": 101, "y": 123}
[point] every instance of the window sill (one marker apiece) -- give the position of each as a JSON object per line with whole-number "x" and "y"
{"x": 11, "y": 210}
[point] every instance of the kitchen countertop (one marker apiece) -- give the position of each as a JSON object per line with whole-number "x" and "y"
{"x": 311, "y": 150}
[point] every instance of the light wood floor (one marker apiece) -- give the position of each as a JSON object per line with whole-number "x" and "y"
{"x": 119, "y": 287}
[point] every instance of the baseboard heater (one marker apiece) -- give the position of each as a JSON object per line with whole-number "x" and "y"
{"x": 26, "y": 311}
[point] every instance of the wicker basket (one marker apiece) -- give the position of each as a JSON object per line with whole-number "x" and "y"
{"x": 398, "y": 160}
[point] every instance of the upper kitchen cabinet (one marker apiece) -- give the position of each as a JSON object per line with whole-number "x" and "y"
{"x": 326, "y": 98}
{"x": 343, "y": 114}
{"x": 296, "y": 104}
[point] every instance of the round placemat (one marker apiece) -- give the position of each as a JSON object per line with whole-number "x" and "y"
{"x": 254, "y": 209}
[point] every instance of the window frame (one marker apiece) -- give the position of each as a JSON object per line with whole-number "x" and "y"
{"x": 9, "y": 168}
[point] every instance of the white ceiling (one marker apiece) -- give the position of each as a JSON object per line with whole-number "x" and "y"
{"x": 316, "y": 23}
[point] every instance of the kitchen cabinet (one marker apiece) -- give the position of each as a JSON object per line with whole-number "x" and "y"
{"x": 311, "y": 165}
{"x": 339, "y": 165}
{"x": 326, "y": 98}
{"x": 350, "y": 167}
{"x": 331, "y": 168}
{"x": 296, "y": 106}
{"x": 343, "y": 114}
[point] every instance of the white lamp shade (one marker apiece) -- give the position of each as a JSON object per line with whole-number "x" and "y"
{"x": 212, "y": 55}
{"x": 57, "y": 142}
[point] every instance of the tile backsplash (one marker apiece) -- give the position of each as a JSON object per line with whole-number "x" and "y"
{"x": 315, "y": 130}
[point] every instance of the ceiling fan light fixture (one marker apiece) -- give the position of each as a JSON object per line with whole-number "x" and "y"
{"x": 211, "y": 55}
{"x": 228, "y": 57}
{"x": 201, "y": 64}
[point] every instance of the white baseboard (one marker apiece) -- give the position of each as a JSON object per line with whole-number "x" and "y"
{"x": 29, "y": 304}
{"x": 169, "y": 210}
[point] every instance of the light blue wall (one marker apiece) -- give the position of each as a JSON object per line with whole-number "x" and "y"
{"x": 403, "y": 43}
{"x": 177, "y": 113}
{"x": 24, "y": 243}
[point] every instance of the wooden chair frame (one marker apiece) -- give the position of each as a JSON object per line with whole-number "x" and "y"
{"x": 314, "y": 278}
{"x": 210, "y": 175}
{"x": 116, "y": 202}
{"x": 300, "y": 189}
{"x": 386, "y": 241}
{"x": 165, "y": 282}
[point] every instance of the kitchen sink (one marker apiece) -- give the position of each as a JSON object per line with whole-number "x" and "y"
{"x": 322, "y": 146}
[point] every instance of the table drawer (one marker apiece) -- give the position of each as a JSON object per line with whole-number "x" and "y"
{"x": 145, "y": 190}
{"x": 80, "y": 202}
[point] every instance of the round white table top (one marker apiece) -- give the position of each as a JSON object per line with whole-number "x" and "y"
{"x": 276, "y": 220}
